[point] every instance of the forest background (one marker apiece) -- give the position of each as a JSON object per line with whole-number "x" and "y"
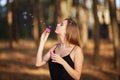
{"x": 23, "y": 21}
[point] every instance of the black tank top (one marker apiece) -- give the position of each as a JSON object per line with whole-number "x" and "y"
{"x": 57, "y": 71}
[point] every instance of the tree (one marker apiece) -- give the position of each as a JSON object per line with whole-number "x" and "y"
{"x": 9, "y": 19}
{"x": 82, "y": 17}
{"x": 15, "y": 31}
{"x": 113, "y": 22}
{"x": 38, "y": 24}
{"x": 96, "y": 31}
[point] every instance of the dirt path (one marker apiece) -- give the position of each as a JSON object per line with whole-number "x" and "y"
{"x": 19, "y": 63}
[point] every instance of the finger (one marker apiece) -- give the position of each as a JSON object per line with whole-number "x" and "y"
{"x": 44, "y": 31}
{"x": 52, "y": 57}
{"x": 54, "y": 60}
{"x": 43, "y": 34}
{"x": 46, "y": 35}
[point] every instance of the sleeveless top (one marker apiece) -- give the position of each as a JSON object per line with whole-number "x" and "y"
{"x": 57, "y": 71}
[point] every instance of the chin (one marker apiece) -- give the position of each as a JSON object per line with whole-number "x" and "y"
{"x": 56, "y": 31}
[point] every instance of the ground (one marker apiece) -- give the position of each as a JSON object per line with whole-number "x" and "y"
{"x": 19, "y": 63}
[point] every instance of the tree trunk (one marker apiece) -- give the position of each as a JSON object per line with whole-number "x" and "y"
{"x": 9, "y": 19}
{"x": 57, "y": 13}
{"x": 69, "y": 7}
{"x": 64, "y": 8}
{"x": 38, "y": 24}
{"x": 63, "y": 11}
{"x": 82, "y": 20}
{"x": 15, "y": 32}
{"x": 115, "y": 31}
{"x": 96, "y": 31}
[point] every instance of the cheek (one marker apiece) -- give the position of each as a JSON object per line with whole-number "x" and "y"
{"x": 60, "y": 30}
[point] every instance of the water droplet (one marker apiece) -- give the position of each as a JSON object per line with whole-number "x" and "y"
{"x": 32, "y": 16}
{"x": 50, "y": 26}
{"x": 10, "y": 1}
{"x": 24, "y": 24}
{"x": 25, "y": 17}
{"x": 24, "y": 13}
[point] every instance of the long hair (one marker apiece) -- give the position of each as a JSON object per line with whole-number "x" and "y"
{"x": 72, "y": 32}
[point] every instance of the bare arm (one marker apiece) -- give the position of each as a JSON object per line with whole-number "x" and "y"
{"x": 40, "y": 59}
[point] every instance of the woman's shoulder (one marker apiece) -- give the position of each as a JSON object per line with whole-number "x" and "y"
{"x": 78, "y": 51}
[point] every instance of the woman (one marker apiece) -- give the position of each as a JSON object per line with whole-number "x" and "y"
{"x": 67, "y": 60}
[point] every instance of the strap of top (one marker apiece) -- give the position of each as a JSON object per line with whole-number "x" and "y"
{"x": 55, "y": 48}
{"x": 72, "y": 49}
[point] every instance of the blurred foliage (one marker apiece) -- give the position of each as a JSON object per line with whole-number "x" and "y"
{"x": 24, "y": 12}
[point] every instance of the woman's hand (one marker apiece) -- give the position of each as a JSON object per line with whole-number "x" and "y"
{"x": 44, "y": 36}
{"x": 57, "y": 59}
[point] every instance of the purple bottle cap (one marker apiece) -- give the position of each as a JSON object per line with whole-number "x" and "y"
{"x": 48, "y": 29}
{"x": 51, "y": 52}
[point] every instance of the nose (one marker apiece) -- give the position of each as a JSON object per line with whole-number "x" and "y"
{"x": 58, "y": 24}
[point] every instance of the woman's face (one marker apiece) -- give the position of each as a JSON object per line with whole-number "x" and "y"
{"x": 61, "y": 27}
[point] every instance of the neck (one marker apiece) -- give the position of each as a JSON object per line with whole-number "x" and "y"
{"x": 64, "y": 42}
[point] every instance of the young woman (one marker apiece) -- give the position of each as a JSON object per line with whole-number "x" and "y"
{"x": 67, "y": 59}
